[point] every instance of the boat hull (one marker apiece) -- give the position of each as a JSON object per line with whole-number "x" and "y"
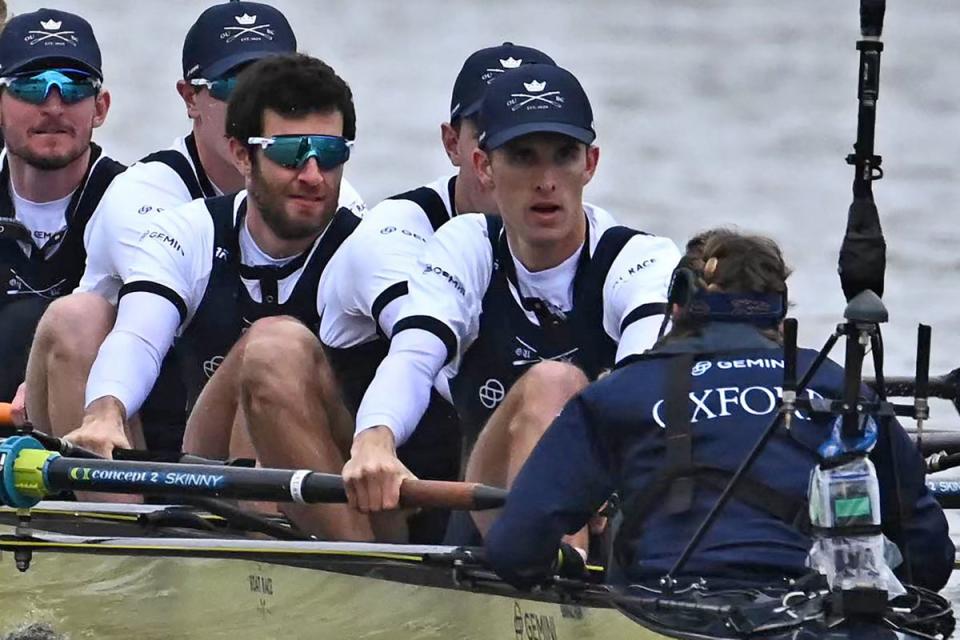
{"x": 111, "y": 571}
{"x": 108, "y": 596}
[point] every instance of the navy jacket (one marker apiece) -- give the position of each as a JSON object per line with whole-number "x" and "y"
{"x": 610, "y": 438}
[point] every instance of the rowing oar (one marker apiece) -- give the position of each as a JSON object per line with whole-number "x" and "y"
{"x": 946, "y": 386}
{"x": 234, "y": 515}
{"x": 30, "y": 473}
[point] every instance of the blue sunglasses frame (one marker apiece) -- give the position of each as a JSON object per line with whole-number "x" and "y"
{"x": 34, "y": 88}
{"x": 293, "y": 151}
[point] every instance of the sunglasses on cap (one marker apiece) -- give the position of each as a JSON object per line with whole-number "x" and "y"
{"x": 293, "y": 151}
{"x": 34, "y": 88}
{"x": 220, "y": 88}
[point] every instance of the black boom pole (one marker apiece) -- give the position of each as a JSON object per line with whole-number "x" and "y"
{"x": 863, "y": 254}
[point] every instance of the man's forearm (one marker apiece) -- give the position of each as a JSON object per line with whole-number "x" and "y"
{"x": 129, "y": 359}
{"x": 400, "y": 393}
{"x": 106, "y": 408}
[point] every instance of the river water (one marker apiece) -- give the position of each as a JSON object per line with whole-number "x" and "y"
{"x": 735, "y": 112}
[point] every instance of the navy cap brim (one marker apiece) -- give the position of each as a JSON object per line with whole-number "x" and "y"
{"x": 47, "y": 61}
{"x": 500, "y": 138}
{"x": 224, "y": 65}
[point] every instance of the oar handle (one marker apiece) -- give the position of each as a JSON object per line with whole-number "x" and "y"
{"x": 6, "y": 414}
{"x": 462, "y": 496}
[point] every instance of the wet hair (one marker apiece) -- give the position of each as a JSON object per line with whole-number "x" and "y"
{"x": 725, "y": 260}
{"x": 294, "y": 85}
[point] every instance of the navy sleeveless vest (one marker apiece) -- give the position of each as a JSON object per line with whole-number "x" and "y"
{"x": 196, "y": 181}
{"x": 508, "y": 343}
{"x": 54, "y": 268}
{"x": 227, "y": 308}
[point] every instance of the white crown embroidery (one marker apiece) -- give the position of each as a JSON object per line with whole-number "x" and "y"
{"x": 246, "y": 19}
{"x": 510, "y": 63}
{"x": 51, "y": 25}
{"x": 534, "y": 86}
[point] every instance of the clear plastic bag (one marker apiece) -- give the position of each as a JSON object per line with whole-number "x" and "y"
{"x": 848, "y": 497}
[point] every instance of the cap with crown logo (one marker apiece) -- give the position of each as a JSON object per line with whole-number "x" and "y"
{"x": 47, "y": 39}
{"x": 482, "y": 68}
{"x": 532, "y": 99}
{"x": 228, "y": 35}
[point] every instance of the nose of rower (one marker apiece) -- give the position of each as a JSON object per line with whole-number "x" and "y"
{"x": 311, "y": 172}
{"x": 54, "y": 101}
{"x": 547, "y": 181}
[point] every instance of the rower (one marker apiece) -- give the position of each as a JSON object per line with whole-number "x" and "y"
{"x": 224, "y": 40}
{"x": 208, "y": 269}
{"x": 517, "y": 312}
{"x": 668, "y": 429}
{"x": 52, "y": 175}
{"x": 311, "y": 426}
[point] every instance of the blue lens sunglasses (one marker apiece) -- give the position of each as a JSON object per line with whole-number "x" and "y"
{"x": 293, "y": 151}
{"x": 74, "y": 85}
{"x": 219, "y": 88}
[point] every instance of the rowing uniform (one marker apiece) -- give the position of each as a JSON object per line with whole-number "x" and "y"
{"x": 196, "y": 272}
{"x": 41, "y": 257}
{"x": 162, "y": 180}
{"x": 479, "y": 319}
{"x": 360, "y": 310}
{"x": 667, "y": 432}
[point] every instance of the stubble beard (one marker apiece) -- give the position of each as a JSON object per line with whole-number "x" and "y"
{"x": 49, "y": 162}
{"x": 270, "y": 204}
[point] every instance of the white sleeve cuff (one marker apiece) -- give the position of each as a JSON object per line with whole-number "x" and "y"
{"x": 638, "y": 337}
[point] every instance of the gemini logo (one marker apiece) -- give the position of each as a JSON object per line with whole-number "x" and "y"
{"x": 701, "y": 367}
{"x": 491, "y": 393}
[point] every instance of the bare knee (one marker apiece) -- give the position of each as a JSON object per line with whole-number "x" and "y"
{"x": 279, "y": 355}
{"x": 541, "y": 394}
{"x": 74, "y": 326}
{"x": 552, "y": 382}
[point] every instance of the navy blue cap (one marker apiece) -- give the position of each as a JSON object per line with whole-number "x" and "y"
{"x": 482, "y": 68}
{"x": 46, "y": 39}
{"x": 230, "y": 34}
{"x": 531, "y": 99}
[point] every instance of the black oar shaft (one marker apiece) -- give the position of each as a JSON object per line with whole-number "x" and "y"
{"x": 241, "y": 483}
{"x": 946, "y": 387}
{"x": 938, "y": 441}
{"x": 189, "y": 480}
{"x": 946, "y": 492}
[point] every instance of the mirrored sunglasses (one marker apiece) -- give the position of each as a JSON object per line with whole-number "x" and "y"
{"x": 293, "y": 151}
{"x": 34, "y": 88}
{"x": 219, "y": 88}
